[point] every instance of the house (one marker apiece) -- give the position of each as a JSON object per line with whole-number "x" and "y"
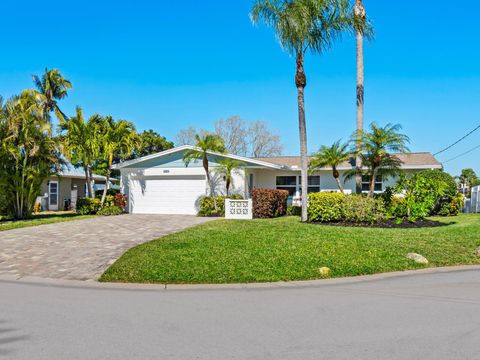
{"x": 162, "y": 184}
{"x": 61, "y": 191}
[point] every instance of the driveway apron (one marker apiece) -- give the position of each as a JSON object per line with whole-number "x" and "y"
{"x": 81, "y": 249}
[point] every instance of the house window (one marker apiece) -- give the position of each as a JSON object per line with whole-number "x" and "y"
{"x": 288, "y": 183}
{"x": 366, "y": 183}
{"x": 313, "y": 184}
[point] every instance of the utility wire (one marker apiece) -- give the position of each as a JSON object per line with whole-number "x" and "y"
{"x": 456, "y": 142}
{"x": 465, "y": 153}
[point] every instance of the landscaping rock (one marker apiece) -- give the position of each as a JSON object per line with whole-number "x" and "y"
{"x": 324, "y": 271}
{"x": 477, "y": 252}
{"x": 419, "y": 259}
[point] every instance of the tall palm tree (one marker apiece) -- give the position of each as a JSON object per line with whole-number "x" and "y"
{"x": 205, "y": 144}
{"x": 82, "y": 143}
{"x": 52, "y": 86}
{"x": 117, "y": 139}
{"x": 331, "y": 156}
{"x": 379, "y": 146}
{"x": 301, "y": 26}
{"x": 227, "y": 168}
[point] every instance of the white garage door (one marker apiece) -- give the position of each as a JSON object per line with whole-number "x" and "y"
{"x": 166, "y": 194}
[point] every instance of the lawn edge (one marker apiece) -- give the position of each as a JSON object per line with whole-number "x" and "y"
{"x": 92, "y": 284}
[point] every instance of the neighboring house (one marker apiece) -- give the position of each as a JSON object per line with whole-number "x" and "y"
{"x": 162, "y": 184}
{"x": 61, "y": 191}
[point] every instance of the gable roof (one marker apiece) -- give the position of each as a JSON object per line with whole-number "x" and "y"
{"x": 420, "y": 160}
{"x": 69, "y": 171}
{"x": 255, "y": 162}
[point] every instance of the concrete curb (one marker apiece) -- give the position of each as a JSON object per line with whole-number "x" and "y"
{"x": 91, "y": 284}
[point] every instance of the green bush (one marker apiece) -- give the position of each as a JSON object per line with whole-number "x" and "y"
{"x": 325, "y": 207}
{"x": 269, "y": 203}
{"x": 362, "y": 209}
{"x": 445, "y": 190}
{"x": 214, "y": 206}
{"x": 111, "y": 192}
{"x": 454, "y": 207}
{"x": 110, "y": 211}
{"x": 88, "y": 206}
{"x": 294, "y": 210}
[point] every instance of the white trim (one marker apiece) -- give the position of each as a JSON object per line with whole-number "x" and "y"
{"x": 50, "y": 206}
{"x": 190, "y": 147}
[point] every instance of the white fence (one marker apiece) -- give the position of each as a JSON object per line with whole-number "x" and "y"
{"x": 238, "y": 209}
{"x": 475, "y": 200}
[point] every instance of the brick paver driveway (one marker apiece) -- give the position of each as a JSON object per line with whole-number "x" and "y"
{"x": 81, "y": 249}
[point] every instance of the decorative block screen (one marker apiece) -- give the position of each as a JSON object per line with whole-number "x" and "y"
{"x": 238, "y": 209}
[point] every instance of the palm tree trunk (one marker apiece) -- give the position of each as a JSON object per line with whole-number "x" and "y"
{"x": 109, "y": 170}
{"x": 337, "y": 179}
{"x": 301, "y": 83}
{"x": 360, "y": 12}
{"x": 371, "y": 190}
{"x": 89, "y": 183}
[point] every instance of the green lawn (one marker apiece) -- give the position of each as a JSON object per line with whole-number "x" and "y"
{"x": 41, "y": 219}
{"x": 284, "y": 249}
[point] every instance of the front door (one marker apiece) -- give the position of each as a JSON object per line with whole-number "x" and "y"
{"x": 53, "y": 196}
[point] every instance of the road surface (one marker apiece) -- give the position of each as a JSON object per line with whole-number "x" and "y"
{"x": 424, "y": 316}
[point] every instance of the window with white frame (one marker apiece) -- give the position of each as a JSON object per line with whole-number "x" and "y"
{"x": 292, "y": 184}
{"x": 366, "y": 183}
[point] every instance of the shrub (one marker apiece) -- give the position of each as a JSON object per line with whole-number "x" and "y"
{"x": 446, "y": 187}
{"x": 111, "y": 192}
{"x": 120, "y": 200}
{"x": 269, "y": 203}
{"x": 88, "y": 206}
{"x": 294, "y": 211}
{"x": 325, "y": 207}
{"x": 214, "y": 206}
{"x": 110, "y": 211}
{"x": 362, "y": 209}
{"x": 454, "y": 207}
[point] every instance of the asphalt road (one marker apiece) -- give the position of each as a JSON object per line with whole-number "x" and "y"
{"x": 435, "y": 316}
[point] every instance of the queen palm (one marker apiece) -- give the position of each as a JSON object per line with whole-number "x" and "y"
{"x": 379, "y": 146}
{"x": 227, "y": 168}
{"x": 302, "y": 26}
{"x": 331, "y": 156}
{"x": 205, "y": 144}
{"x": 52, "y": 86}
{"x": 362, "y": 28}
{"x": 118, "y": 139}
{"x": 81, "y": 141}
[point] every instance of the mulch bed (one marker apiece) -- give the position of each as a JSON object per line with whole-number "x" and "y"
{"x": 392, "y": 224}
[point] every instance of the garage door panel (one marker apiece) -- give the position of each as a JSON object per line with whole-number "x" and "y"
{"x": 166, "y": 194}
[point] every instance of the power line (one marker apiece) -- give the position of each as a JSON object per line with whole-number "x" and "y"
{"x": 465, "y": 153}
{"x": 456, "y": 142}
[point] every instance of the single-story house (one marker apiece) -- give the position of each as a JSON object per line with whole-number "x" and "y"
{"x": 61, "y": 191}
{"x": 162, "y": 183}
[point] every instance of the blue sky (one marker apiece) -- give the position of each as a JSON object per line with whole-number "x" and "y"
{"x": 170, "y": 65}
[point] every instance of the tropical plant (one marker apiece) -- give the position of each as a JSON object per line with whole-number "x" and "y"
{"x": 227, "y": 168}
{"x": 362, "y": 28}
{"x": 52, "y": 86}
{"x": 302, "y": 26}
{"x": 81, "y": 142}
{"x": 205, "y": 144}
{"x": 331, "y": 156}
{"x": 468, "y": 179}
{"x": 150, "y": 142}
{"x": 117, "y": 140}
{"x": 378, "y": 149}
{"x": 28, "y": 153}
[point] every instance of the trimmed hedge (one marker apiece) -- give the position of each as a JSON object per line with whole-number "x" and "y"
{"x": 294, "y": 210}
{"x": 110, "y": 211}
{"x": 207, "y": 206}
{"x": 88, "y": 206}
{"x": 336, "y": 207}
{"x": 269, "y": 203}
{"x": 114, "y": 205}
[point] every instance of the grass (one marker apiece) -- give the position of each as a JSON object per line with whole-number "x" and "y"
{"x": 41, "y": 219}
{"x": 284, "y": 249}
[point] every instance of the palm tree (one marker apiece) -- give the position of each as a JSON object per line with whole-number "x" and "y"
{"x": 378, "y": 153}
{"x": 82, "y": 144}
{"x": 331, "y": 156}
{"x": 28, "y": 153}
{"x": 205, "y": 144}
{"x": 227, "y": 168}
{"x": 301, "y": 26}
{"x": 118, "y": 139}
{"x": 52, "y": 86}
{"x": 362, "y": 28}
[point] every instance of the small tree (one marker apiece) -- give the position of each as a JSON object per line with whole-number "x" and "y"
{"x": 378, "y": 149}
{"x": 204, "y": 145}
{"x": 332, "y": 157}
{"x": 229, "y": 167}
